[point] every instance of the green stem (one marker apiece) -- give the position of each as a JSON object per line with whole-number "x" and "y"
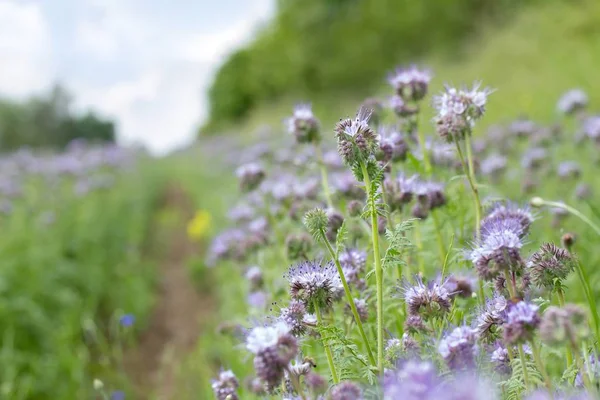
{"x": 324, "y": 179}
{"x": 334, "y": 375}
{"x": 585, "y": 282}
{"x": 524, "y": 366}
{"x": 581, "y": 366}
{"x": 561, "y": 302}
{"x": 420, "y": 252}
{"x": 538, "y": 202}
{"x": 378, "y": 267}
{"x": 296, "y": 384}
{"x": 422, "y": 145}
{"x": 349, "y": 297}
{"x": 540, "y": 365}
{"x": 472, "y": 184}
{"x": 510, "y": 285}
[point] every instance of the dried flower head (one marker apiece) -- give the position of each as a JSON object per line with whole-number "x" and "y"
{"x": 522, "y": 319}
{"x": 314, "y": 284}
{"x": 303, "y": 124}
{"x": 549, "y": 264}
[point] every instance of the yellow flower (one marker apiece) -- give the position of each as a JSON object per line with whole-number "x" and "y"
{"x": 199, "y": 226}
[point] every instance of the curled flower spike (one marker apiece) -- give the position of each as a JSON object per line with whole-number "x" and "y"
{"x": 254, "y": 275}
{"x": 295, "y": 315}
{"x": 459, "y": 348}
{"x": 548, "y": 264}
{"x": 401, "y": 108}
{"x": 500, "y": 359}
{"x": 356, "y": 140}
{"x": 392, "y": 146}
{"x": 303, "y": 124}
{"x": 311, "y": 282}
{"x": 432, "y": 300}
{"x": 225, "y": 386}
{"x": 522, "y": 319}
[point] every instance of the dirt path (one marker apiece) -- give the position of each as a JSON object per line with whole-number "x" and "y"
{"x": 179, "y": 312}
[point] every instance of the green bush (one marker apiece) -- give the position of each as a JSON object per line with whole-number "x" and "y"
{"x": 316, "y": 46}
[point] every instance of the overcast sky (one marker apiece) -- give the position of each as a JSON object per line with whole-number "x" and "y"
{"x": 145, "y": 63}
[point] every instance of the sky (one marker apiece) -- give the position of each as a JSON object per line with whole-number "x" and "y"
{"x": 144, "y": 63}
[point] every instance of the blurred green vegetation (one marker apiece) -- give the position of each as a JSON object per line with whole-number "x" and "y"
{"x": 48, "y": 121}
{"x": 313, "y": 47}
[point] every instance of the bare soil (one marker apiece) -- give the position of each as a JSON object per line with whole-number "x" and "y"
{"x": 179, "y": 312}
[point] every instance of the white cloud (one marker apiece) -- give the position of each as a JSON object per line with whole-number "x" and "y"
{"x": 26, "y": 63}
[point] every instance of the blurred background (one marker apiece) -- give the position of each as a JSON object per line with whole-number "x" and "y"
{"x": 103, "y": 244}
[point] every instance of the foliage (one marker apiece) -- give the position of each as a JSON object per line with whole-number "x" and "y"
{"x": 48, "y": 121}
{"x": 316, "y": 46}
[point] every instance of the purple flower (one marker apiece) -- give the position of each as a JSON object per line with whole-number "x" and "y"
{"x": 414, "y": 380}
{"x": 493, "y": 165}
{"x": 346, "y": 391}
{"x": 314, "y": 284}
{"x": 294, "y": 315}
{"x": 257, "y": 299}
{"x": 392, "y": 145}
{"x": 426, "y": 300}
{"x": 356, "y": 140}
{"x": 591, "y": 127}
{"x": 225, "y": 386}
{"x": 534, "y": 158}
{"x": 572, "y": 101}
{"x": 303, "y": 124}
{"x": 466, "y": 386}
{"x": 353, "y": 262}
{"x": 522, "y": 319}
{"x": 459, "y": 348}
{"x": 410, "y": 83}
{"x": 127, "y": 320}
{"x": 569, "y": 169}
{"x": 490, "y": 318}
{"x": 250, "y": 176}
{"x": 117, "y": 395}
{"x": 501, "y": 360}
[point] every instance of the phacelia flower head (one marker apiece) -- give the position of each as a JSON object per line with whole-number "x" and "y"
{"x": 458, "y": 109}
{"x": 250, "y": 176}
{"x": 591, "y": 127}
{"x": 466, "y": 386}
{"x": 303, "y": 124}
{"x": 346, "y": 391}
{"x": 490, "y": 318}
{"x": 392, "y": 146}
{"x": 534, "y": 158}
{"x": 414, "y": 380}
{"x": 314, "y": 284}
{"x": 294, "y": 316}
{"x": 501, "y": 360}
{"x": 508, "y": 211}
{"x": 353, "y": 262}
{"x": 493, "y": 165}
{"x": 462, "y": 284}
{"x": 572, "y": 101}
{"x": 355, "y": 138}
{"x": 225, "y": 386}
{"x": 569, "y": 169}
{"x": 459, "y": 348}
{"x": 548, "y": 264}
{"x": 564, "y": 326}
{"x": 254, "y": 275}
{"x": 401, "y": 108}
{"x": 522, "y": 319}
{"x": 431, "y": 300}
{"x": 257, "y": 299}
{"x": 410, "y": 83}
{"x": 273, "y": 348}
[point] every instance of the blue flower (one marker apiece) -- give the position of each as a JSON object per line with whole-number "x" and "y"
{"x": 117, "y": 395}
{"x": 127, "y": 320}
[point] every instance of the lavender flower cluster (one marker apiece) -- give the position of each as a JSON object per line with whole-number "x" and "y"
{"x": 393, "y": 279}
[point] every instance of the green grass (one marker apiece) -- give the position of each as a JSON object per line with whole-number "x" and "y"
{"x": 532, "y": 60}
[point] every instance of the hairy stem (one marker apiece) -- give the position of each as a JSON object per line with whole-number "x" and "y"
{"x": 471, "y": 178}
{"x": 378, "y": 267}
{"x": 585, "y": 282}
{"x": 349, "y": 297}
{"x": 524, "y": 366}
{"x": 334, "y": 375}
